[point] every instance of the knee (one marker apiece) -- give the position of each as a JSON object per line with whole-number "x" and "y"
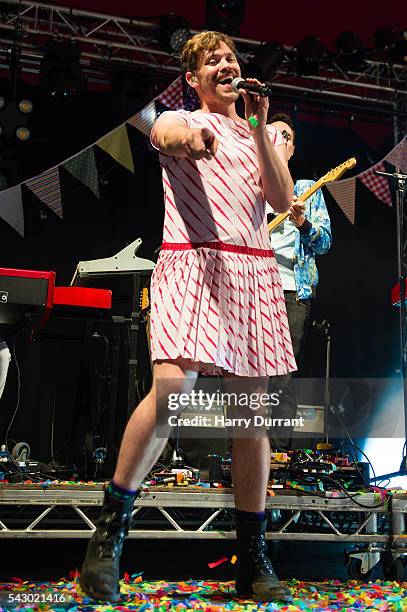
{"x": 170, "y": 394}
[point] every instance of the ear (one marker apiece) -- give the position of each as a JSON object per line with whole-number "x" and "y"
{"x": 191, "y": 79}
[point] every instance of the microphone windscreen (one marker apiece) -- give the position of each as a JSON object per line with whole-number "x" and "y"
{"x": 237, "y": 83}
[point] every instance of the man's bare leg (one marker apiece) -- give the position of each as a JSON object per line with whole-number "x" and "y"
{"x": 139, "y": 450}
{"x": 250, "y": 456}
{"x": 140, "y": 446}
{"x": 255, "y": 575}
{"x": 250, "y": 472}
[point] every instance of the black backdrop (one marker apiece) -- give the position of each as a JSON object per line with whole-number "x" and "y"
{"x": 355, "y": 276}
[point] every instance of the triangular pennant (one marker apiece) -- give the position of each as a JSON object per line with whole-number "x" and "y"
{"x": 11, "y": 208}
{"x": 398, "y": 156}
{"x": 83, "y": 167}
{"x": 172, "y": 96}
{"x": 343, "y": 193}
{"x": 47, "y": 188}
{"x": 117, "y": 145}
{"x": 379, "y": 185}
{"x": 144, "y": 119}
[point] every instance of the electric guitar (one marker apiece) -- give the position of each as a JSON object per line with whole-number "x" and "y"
{"x": 332, "y": 175}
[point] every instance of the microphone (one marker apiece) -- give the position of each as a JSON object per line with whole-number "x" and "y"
{"x": 260, "y": 90}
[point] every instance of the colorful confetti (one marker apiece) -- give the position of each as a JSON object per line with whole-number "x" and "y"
{"x": 211, "y": 596}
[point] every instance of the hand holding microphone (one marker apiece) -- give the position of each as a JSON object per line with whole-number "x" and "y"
{"x": 251, "y": 86}
{"x": 255, "y": 96}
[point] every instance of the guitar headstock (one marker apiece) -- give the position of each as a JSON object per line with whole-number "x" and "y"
{"x": 335, "y": 173}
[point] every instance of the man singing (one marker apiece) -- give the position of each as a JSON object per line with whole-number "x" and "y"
{"x": 217, "y": 300}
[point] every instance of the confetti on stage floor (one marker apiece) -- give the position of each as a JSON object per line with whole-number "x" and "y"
{"x": 205, "y": 595}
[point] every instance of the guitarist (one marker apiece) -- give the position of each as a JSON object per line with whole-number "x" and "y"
{"x": 303, "y": 235}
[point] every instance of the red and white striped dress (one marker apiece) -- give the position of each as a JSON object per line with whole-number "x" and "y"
{"x": 216, "y": 291}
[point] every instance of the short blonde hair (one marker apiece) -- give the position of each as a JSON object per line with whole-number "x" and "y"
{"x": 196, "y": 46}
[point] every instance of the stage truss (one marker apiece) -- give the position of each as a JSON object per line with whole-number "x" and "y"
{"x": 112, "y": 42}
{"x": 196, "y": 515}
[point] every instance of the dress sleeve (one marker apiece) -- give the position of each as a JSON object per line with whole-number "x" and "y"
{"x": 181, "y": 114}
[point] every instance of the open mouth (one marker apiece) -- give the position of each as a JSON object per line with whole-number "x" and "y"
{"x": 226, "y": 81}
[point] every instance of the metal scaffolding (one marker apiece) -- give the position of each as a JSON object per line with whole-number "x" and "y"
{"x": 110, "y": 42}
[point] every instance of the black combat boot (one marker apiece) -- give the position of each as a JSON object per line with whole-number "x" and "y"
{"x": 255, "y": 576}
{"x": 99, "y": 577}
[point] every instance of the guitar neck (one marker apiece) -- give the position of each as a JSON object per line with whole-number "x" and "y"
{"x": 304, "y": 196}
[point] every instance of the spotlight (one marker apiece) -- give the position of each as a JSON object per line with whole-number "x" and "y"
{"x": 14, "y": 118}
{"x": 392, "y": 44}
{"x": 385, "y": 38}
{"x": 225, "y": 15}
{"x": 309, "y": 52}
{"x": 173, "y": 33}
{"x": 23, "y": 133}
{"x": 61, "y": 76}
{"x": 25, "y": 106}
{"x": 351, "y": 53}
{"x": 266, "y": 61}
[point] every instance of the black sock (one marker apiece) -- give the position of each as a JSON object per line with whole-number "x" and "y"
{"x": 250, "y": 516}
{"x": 120, "y": 493}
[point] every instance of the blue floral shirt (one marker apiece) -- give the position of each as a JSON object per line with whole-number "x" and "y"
{"x": 313, "y": 238}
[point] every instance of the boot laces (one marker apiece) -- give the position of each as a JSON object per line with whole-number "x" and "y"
{"x": 258, "y": 554}
{"x": 115, "y": 530}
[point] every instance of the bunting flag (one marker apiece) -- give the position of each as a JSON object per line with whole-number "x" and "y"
{"x": 144, "y": 119}
{"x": 343, "y": 193}
{"x": 398, "y": 156}
{"x": 172, "y": 97}
{"x": 47, "y": 188}
{"x": 11, "y": 208}
{"x": 83, "y": 168}
{"x": 117, "y": 145}
{"x": 379, "y": 185}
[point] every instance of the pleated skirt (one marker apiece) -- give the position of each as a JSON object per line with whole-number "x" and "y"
{"x": 222, "y": 310}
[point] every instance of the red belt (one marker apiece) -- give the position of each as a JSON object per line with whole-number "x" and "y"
{"x": 218, "y": 246}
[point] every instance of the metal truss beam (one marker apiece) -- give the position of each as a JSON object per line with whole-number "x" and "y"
{"x": 112, "y": 42}
{"x": 188, "y": 515}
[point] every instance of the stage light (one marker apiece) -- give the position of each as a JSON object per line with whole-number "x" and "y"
{"x": 61, "y": 76}
{"x": 267, "y": 59}
{"x": 351, "y": 53}
{"x": 225, "y": 15}
{"x": 25, "y": 106}
{"x": 23, "y": 133}
{"x": 384, "y": 38}
{"x": 2, "y": 103}
{"x": 173, "y": 33}
{"x": 391, "y": 44}
{"x": 14, "y": 118}
{"x": 309, "y": 53}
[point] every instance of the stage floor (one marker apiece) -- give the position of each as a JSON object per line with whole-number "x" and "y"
{"x": 205, "y": 595}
